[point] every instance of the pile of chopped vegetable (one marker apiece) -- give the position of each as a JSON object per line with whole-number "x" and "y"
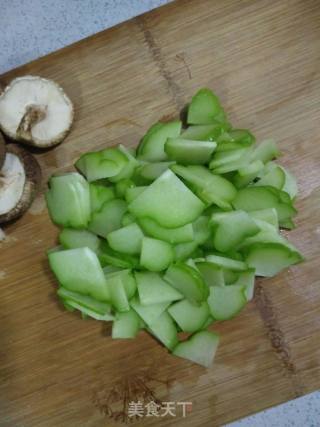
{"x": 170, "y": 238}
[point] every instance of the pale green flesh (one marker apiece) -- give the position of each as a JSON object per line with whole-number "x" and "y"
{"x": 79, "y": 270}
{"x": 171, "y": 235}
{"x": 228, "y": 263}
{"x": 205, "y": 108}
{"x": 85, "y": 301}
{"x": 88, "y": 312}
{"x": 108, "y": 218}
{"x": 153, "y": 289}
{"x": 99, "y": 194}
{"x": 68, "y": 200}
{"x": 127, "y": 239}
{"x": 150, "y": 313}
{"x": 200, "y": 348}
{"x": 102, "y": 164}
{"x": 268, "y": 215}
{"x": 209, "y": 187}
{"x": 186, "y": 151}
{"x": 227, "y": 301}
{"x": 165, "y": 330}
{"x": 211, "y": 273}
{"x": 187, "y": 281}
{"x": 203, "y": 132}
{"x": 255, "y": 198}
{"x": 133, "y": 192}
{"x": 231, "y": 228}
{"x": 156, "y": 255}
{"x": 188, "y": 316}
{"x": 126, "y": 325}
{"x": 151, "y": 147}
{"x": 118, "y": 295}
{"x": 152, "y": 171}
{"x": 268, "y": 259}
{"x": 167, "y": 201}
{"x": 72, "y": 239}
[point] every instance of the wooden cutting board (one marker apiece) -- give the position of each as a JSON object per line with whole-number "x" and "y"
{"x": 263, "y": 59}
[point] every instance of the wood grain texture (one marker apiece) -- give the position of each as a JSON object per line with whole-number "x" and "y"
{"x": 263, "y": 59}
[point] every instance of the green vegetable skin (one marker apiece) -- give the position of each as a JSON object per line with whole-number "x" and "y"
{"x": 171, "y": 239}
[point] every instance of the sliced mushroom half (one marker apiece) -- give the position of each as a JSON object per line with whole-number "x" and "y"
{"x": 20, "y": 178}
{"x": 2, "y": 151}
{"x": 35, "y": 111}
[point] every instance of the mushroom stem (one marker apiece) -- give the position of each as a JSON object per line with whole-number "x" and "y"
{"x": 33, "y": 115}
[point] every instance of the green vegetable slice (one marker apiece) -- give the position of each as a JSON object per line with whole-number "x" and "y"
{"x": 168, "y": 201}
{"x": 209, "y": 187}
{"x": 165, "y": 330}
{"x": 247, "y": 173}
{"x": 152, "y": 171}
{"x": 208, "y": 322}
{"x": 171, "y": 235}
{"x": 133, "y": 192}
{"x": 127, "y": 219}
{"x": 205, "y": 132}
{"x": 188, "y": 316}
{"x": 126, "y": 325}
{"x": 84, "y": 300}
{"x": 118, "y": 294}
{"x": 201, "y": 229}
{"x": 149, "y": 313}
{"x": 268, "y": 215}
{"x": 267, "y": 234}
{"x": 226, "y": 302}
{"x": 229, "y": 161}
{"x": 182, "y": 251}
{"x": 126, "y": 239}
{"x": 79, "y": 270}
{"x": 266, "y": 151}
{"x": 68, "y": 200}
{"x": 268, "y": 259}
{"x": 151, "y": 147}
{"x": 272, "y": 176}
{"x": 129, "y": 167}
{"x": 255, "y": 198}
{"x": 122, "y": 186}
{"x": 246, "y": 279}
{"x": 87, "y": 312}
{"x": 228, "y": 263}
{"x": 200, "y": 348}
{"x": 72, "y": 239}
{"x": 187, "y": 151}
{"x": 116, "y": 259}
{"x": 101, "y": 164}
{"x": 187, "y": 281}
{"x": 231, "y": 228}
{"x": 108, "y": 218}
{"x": 156, "y": 255}
{"x": 230, "y": 276}
{"x": 235, "y": 139}
{"x": 129, "y": 283}
{"x": 99, "y": 194}
{"x": 211, "y": 273}
{"x": 288, "y": 223}
{"x": 153, "y": 289}
{"x": 290, "y": 184}
{"x": 205, "y": 108}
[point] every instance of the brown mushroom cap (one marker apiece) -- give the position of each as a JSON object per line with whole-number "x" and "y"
{"x": 35, "y": 111}
{"x": 2, "y": 150}
{"x": 28, "y": 186}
